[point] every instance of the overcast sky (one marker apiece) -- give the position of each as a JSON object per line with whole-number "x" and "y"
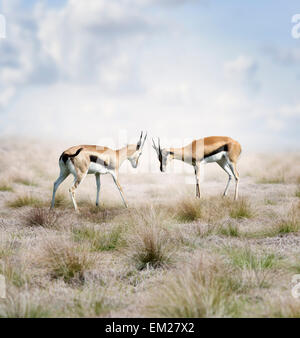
{"x": 86, "y": 70}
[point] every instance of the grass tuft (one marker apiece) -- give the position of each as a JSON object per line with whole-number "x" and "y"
{"x": 100, "y": 214}
{"x": 281, "y": 307}
{"x": 13, "y": 273}
{"x": 22, "y": 306}
{"x": 241, "y": 209}
{"x": 25, "y": 200}
{"x": 291, "y": 223}
{"x": 99, "y": 240}
{"x": 7, "y": 248}
{"x": 149, "y": 244}
{"x": 4, "y": 186}
{"x": 25, "y": 181}
{"x": 67, "y": 261}
{"x": 279, "y": 179}
{"x": 61, "y": 200}
{"x": 206, "y": 288}
{"x": 245, "y": 258}
{"x": 150, "y": 247}
{"x": 189, "y": 210}
{"x": 230, "y": 230}
{"x": 40, "y": 217}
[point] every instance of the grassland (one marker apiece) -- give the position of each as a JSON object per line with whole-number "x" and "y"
{"x": 167, "y": 255}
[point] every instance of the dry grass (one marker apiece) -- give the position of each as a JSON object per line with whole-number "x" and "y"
{"x": 99, "y": 239}
{"x": 149, "y": 247}
{"x": 67, "y": 261}
{"x": 25, "y": 200}
{"x": 282, "y": 307}
{"x": 21, "y": 305}
{"x": 43, "y": 217}
{"x": 101, "y": 214}
{"x": 205, "y": 288}
{"x": 210, "y": 210}
{"x": 61, "y": 200}
{"x": 271, "y": 180}
{"x": 6, "y": 186}
{"x": 245, "y": 258}
{"x": 7, "y": 248}
{"x": 254, "y": 267}
{"x": 14, "y": 273}
{"x": 189, "y": 210}
{"x": 24, "y": 181}
{"x": 288, "y": 224}
{"x": 149, "y": 243}
{"x": 241, "y": 209}
{"x": 168, "y": 254}
{"x": 230, "y": 230}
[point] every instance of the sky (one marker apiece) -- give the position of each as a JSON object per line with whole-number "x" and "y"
{"x": 97, "y": 71}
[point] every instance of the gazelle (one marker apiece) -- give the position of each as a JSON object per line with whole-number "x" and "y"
{"x": 221, "y": 149}
{"x": 91, "y": 159}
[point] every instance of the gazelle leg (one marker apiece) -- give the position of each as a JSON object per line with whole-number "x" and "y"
{"x": 197, "y": 176}
{"x": 57, "y": 183}
{"x": 98, "y": 188}
{"x": 224, "y": 165}
{"x": 78, "y": 179}
{"x": 119, "y": 188}
{"x": 237, "y": 178}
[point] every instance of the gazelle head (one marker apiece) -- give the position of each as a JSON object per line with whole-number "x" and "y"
{"x": 136, "y": 152}
{"x": 162, "y": 154}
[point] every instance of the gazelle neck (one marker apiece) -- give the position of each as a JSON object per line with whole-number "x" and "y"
{"x": 176, "y": 153}
{"x": 123, "y": 154}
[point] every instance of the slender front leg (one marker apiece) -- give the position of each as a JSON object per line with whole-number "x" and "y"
{"x": 197, "y": 176}
{"x": 237, "y": 178}
{"x": 78, "y": 179}
{"x": 98, "y": 188}
{"x": 57, "y": 183}
{"x": 119, "y": 187}
{"x": 225, "y": 166}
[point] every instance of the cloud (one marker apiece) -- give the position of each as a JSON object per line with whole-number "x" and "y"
{"x": 290, "y": 110}
{"x": 288, "y": 56}
{"x": 87, "y": 42}
{"x": 242, "y": 71}
{"x": 168, "y": 3}
{"x": 86, "y": 69}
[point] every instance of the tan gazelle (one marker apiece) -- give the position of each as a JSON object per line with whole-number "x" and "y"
{"x": 221, "y": 149}
{"x": 93, "y": 159}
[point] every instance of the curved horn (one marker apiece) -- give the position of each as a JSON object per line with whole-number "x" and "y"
{"x": 154, "y": 145}
{"x": 144, "y": 139}
{"x": 138, "y": 145}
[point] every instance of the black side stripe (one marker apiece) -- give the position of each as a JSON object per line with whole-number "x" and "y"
{"x": 223, "y": 148}
{"x": 65, "y": 157}
{"x": 96, "y": 159}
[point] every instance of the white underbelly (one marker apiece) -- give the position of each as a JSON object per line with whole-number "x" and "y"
{"x": 95, "y": 168}
{"x": 215, "y": 157}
